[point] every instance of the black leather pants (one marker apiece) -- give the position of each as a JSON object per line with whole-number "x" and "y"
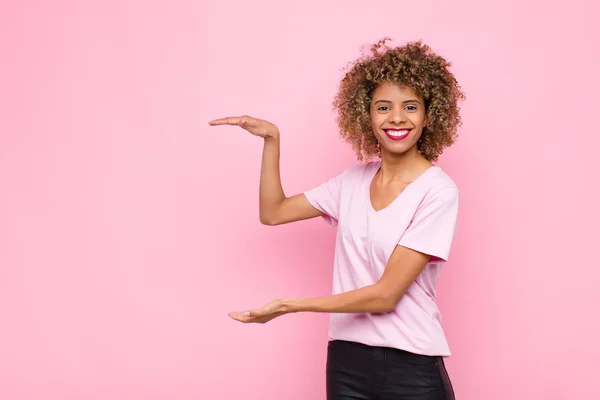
{"x": 356, "y": 371}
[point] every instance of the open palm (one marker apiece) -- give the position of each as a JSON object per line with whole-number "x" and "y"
{"x": 269, "y": 311}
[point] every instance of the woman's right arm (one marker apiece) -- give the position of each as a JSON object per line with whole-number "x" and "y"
{"x": 275, "y": 208}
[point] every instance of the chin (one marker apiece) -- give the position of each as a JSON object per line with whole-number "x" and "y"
{"x": 398, "y": 148}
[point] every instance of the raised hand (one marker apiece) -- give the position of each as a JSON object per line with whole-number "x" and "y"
{"x": 255, "y": 126}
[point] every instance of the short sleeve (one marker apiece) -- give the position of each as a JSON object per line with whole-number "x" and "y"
{"x": 326, "y": 198}
{"x": 433, "y": 226}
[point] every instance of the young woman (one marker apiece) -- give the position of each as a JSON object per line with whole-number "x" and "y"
{"x": 396, "y": 219}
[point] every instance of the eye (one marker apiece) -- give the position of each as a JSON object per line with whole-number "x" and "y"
{"x": 411, "y": 108}
{"x": 383, "y": 108}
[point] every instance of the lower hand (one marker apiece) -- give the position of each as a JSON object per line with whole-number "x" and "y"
{"x": 261, "y": 315}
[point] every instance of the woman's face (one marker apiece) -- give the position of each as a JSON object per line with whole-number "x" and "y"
{"x": 397, "y": 117}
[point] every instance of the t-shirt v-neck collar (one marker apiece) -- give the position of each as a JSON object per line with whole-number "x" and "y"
{"x": 373, "y": 172}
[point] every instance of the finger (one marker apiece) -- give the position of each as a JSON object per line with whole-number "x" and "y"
{"x": 238, "y": 316}
{"x": 242, "y": 314}
{"x": 242, "y": 121}
{"x": 259, "y": 312}
{"x": 245, "y": 316}
{"x": 225, "y": 121}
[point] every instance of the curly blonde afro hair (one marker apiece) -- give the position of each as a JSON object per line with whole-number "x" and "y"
{"x": 413, "y": 65}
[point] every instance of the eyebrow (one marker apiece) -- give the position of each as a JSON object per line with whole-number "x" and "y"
{"x": 404, "y": 102}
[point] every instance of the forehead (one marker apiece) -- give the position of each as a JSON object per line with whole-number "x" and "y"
{"x": 392, "y": 91}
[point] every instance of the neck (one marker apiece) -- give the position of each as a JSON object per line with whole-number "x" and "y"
{"x": 402, "y": 167}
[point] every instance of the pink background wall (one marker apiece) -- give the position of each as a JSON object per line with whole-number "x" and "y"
{"x": 129, "y": 228}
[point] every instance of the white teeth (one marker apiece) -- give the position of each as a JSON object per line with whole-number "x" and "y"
{"x": 397, "y": 133}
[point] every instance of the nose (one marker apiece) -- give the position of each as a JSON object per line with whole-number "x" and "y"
{"x": 397, "y": 116}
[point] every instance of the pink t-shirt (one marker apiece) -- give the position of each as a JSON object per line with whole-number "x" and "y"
{"x": 423, "y": 218}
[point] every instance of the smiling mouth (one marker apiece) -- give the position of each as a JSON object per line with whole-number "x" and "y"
{"x": 397, "y": 134}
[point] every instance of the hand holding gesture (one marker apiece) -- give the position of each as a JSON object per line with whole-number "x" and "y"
{"x": 269, "y": 311}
